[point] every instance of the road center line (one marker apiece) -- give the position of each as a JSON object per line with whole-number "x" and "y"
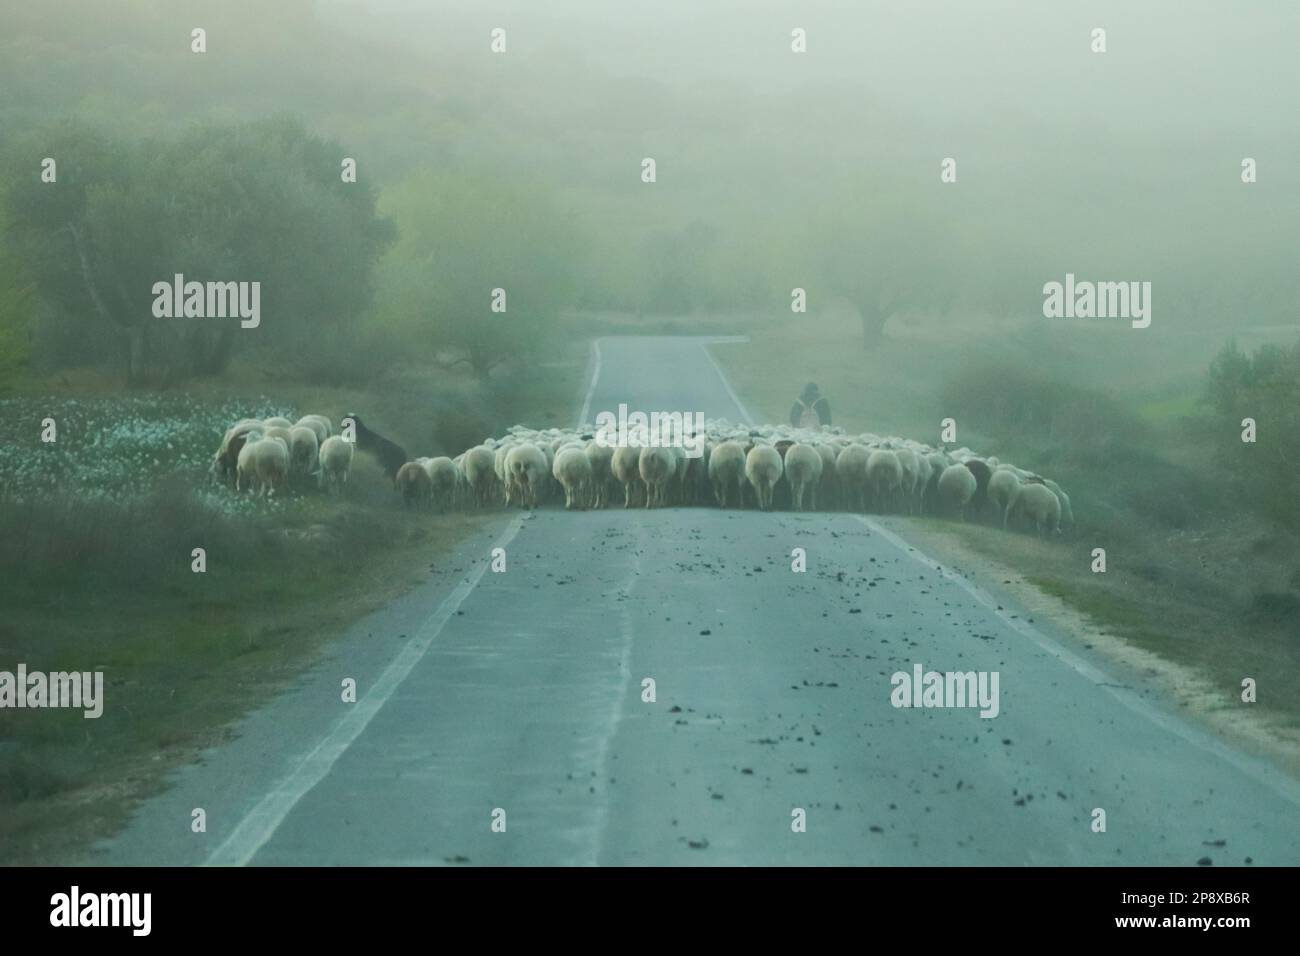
{"x": 619, "y": 706}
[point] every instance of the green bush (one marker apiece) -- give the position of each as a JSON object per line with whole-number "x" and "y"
{"x": 1264, "y": 387}
{"x": 1067, "y": 422}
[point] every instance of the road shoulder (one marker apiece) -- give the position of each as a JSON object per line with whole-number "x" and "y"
{"x": 1179, "y": 688}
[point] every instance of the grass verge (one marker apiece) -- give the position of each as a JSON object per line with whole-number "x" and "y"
{"x": 96, "y": 535}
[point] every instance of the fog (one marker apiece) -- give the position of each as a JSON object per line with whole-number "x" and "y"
{"x": 1120, "y": 165}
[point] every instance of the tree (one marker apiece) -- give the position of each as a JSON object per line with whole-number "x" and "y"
{"x": 1264, "y": 387}
{"x": 251, "y": 202}
{"x": 17, "y": 298}
{"x": 462, "y": 236}
{"x": 882, "y": 254}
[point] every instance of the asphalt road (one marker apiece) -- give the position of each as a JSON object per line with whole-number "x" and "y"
{"x": 523, "y": 691}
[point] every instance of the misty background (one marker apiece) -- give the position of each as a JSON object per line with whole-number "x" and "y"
{"x": 775, "y": 170}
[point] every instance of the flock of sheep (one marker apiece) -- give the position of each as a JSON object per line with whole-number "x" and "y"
{"x": 266, "y": 455}
{"x": 763, "y": 466}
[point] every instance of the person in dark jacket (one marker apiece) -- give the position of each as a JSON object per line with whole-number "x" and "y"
{"x": 810, "y": 409}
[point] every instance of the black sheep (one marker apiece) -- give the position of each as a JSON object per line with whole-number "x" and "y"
{"x": 982, "y": 473}
{"x": 390, "y": 455}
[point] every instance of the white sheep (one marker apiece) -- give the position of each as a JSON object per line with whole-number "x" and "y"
{"x": 1037, "y": 503}
{"x": 884, "y": 477}
{"x": 656, "y": 467}
{"x": 282, "y": 432}
{"x": 911, "y": 468}
{"x": 827, "y": 486}
{"x": 270, "y": 464}
{"x": 726, "y": 471}
{"x": 319, "y": 424}
{"x": 938, "y": 462}
{"x": 335, "y": 462}
{"x": 303, "y": 451}
{"x": 676, "y": 486}
{"x": 601, "y": 458}
{"x": 237, "y": 435}
{"x": 245, "y": 469}
{"x": 479, "y": 467}
{"x": 572, "y": 469}
{"x": 444, "y": 478}
{"x": 851, "y": 469}
{"x": 956, "y": 488}
{"x": 413, "y": 483}
{"x": 548, "y": 485}
{"x": 923, "y": 471}
{"x": 803, "y": 469}
{"x": 1003, "y": 485}
{"x": 1067, "y": 512}
{"x": 527, "y": 473}
{"x": 499, "y": 468}
{"x": 763, "y": 469}
{"x": 624, "y": 466}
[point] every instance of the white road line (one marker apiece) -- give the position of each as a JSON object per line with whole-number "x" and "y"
{"x": 1279, "y": 782}
{"x": 265, "y": 818}
{"x": 745, "y": 417}
{"x": 591, "y": 389}
{"x": 626, "y": 633}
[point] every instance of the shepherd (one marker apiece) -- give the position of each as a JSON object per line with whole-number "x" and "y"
{"x": 810, "y": 409}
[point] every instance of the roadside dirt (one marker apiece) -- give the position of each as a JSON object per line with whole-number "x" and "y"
{"x": 1190, "y": 692}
